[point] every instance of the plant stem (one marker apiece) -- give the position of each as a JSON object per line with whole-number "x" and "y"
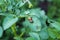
{"x": 14, "y": 30}
{"x": 22, "y": 34}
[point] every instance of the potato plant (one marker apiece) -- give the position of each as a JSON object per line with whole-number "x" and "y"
{"x": 24, "y": 20}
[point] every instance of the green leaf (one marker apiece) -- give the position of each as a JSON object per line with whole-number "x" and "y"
{"x": 33, "y": 12}
{"x": 6, "y": 14}
{"x": 35, "y": 26}
{"x": 10, "y": 7}
{"x": 40, "y": 14}
{"x": 9, "y": 21}
{"x": 43, "y": 35}
{"x": 20, "y": 3}
{"x": 30, "y": 38}
{"x": 1, "y": 2}
{"x": 34, "y": 35}
{"x": 17, "y": 11}
{"x": 1, "y": 31}
{"x": 55, "y": 25}
{"x": 51, "y": 11}
{"x": 18, "y": 38}
{"x": 52, "y": 33}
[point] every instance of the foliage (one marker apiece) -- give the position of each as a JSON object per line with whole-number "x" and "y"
{"x": 23, "y": 20}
